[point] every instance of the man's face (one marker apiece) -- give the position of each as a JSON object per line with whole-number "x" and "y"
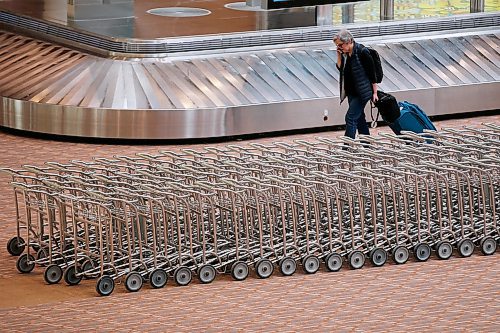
{"x": 342, "y": 46}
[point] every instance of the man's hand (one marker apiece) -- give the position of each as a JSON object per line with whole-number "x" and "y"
{"x": 375, "y": 95}
{"x": 339, "y": 58}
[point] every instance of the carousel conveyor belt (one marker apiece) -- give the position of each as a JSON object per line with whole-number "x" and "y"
{"x": 48, "y": 88}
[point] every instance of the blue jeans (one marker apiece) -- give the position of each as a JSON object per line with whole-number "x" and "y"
{"x": 355, "y": 117}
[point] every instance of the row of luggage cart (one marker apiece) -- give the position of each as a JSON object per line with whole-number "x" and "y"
{"x": 217, "y": 210}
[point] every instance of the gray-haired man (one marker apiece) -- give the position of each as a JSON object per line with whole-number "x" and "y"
{"x": 357, "y": 81}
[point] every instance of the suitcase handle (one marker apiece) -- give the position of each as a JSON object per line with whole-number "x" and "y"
{"x": 374, "y": 121}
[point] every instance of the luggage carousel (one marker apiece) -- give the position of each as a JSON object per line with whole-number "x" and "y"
{"x": 211, "y": 86}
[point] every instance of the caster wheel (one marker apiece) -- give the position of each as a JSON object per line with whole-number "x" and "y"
{"x": 239, "y": 271}
{"x": 182, "y": 276}
{"x": 87, "y": 266}
{"x": 288, "y": 266}
{"x": 70, "y": 276}
{"x": 25, "y": 263}
{"x": 41, "y": 254}
{"x": 53, "y": 274}
{"x": 378, "y": 257}
{"x": 488, "y": 245}
{"x": 333, "y": 262}
{"x": 207, "y": 273}
{"x": 422, "y": 251}
{"x": 356, "y": 259}
{"x": 158, "y": 278}
{"x": 264, "y": 268}
{"x": 15, "y": 246}
{"x": 400, "y": 255}
{"x": 465, "y": 247}
{"x": 444, "y": 250}
{"x": 105, "y": 285}
{"x": 310, "y": 264}
{"x": 133, "y": 282}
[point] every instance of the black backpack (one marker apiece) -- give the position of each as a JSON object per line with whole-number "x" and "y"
{"x": 379, "y": 73}
{"x": 387, "y": 106}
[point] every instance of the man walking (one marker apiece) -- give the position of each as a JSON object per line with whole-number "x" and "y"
{"x": 357, "y": 81}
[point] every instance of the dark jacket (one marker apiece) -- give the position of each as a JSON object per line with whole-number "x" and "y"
{"x": 363, "y": 73}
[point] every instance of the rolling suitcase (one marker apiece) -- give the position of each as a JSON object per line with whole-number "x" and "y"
{"x": 411, "y": 118}
{"x": 387, "y": 107}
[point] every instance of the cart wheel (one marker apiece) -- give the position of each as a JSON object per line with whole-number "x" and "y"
{"x": 422, "y": 251}
{"x": 182, "y": 276}
{"x": 207, "y": 273}
{"x": 378, "y": 257}
{"x": 42, "y": 253}
{"x": 310, "y": 264}
{"x": 444, "y": 250}
{"x": 264, "y": 268}
{"x": 87, "y": 266}
{"x": 25, "y": 263}
{"x": 16, "y": 246}
{"x": 158, "y": 278}
{"x": 288, "y": 266}
{"x": 105, "y": 285}
{"x": 239, "y": 271}
{"x": 400, "y": 254}
{"x": 41, "y": 256}
{"x": 333, "y": 262}
{"x": 53, "y": 274}
{"x": 488, "y": 245}
{"x": 465, "y": 247}
{"x": 133, "y": 282}
{"x": 70, "y": 276}
{"x": 356, "y": 259}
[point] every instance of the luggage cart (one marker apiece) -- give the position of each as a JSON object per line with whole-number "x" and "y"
{"x": 152, "y": 217}
{"x": 17, "y": 244}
